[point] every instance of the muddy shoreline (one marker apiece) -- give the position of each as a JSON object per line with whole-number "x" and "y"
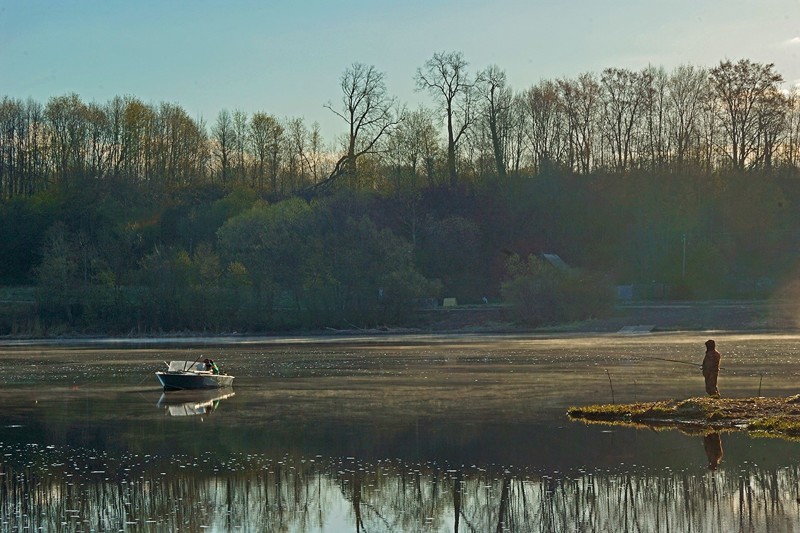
{"x": 717, "y": 315}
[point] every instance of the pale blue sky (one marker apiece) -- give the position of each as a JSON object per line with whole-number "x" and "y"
{"x": 285, "y": 57}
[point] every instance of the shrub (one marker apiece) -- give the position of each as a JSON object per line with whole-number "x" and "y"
{"x": 542, "y": 294}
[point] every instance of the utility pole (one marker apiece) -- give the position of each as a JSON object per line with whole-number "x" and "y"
{"x": 683, "y": 261}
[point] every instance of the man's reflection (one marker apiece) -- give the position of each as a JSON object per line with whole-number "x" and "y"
{"x": 713, "y": 446}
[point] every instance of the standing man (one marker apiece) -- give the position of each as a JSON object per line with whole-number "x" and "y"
{"x": 711, "y": 368}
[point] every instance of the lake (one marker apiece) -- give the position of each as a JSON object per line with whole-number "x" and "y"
{"x": 390, "y": 433}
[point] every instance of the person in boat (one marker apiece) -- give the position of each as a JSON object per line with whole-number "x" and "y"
{"x": 211, "y": 366}
{"x": 711, "y": 368}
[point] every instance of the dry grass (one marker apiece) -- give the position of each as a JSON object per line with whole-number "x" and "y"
{"x": 774, "y": 416}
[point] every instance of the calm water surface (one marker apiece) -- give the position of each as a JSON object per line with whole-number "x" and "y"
{"x": 388, "y": 434}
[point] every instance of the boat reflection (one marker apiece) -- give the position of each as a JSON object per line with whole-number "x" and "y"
{"x": 193, "y": 402}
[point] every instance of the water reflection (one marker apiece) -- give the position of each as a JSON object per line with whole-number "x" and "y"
{"x": 712, "y": 443}
{"x": 192, "y": 403}
{"x": 69, "y": 489}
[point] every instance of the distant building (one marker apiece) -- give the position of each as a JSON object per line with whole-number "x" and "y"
{"x": 556, "y": 261}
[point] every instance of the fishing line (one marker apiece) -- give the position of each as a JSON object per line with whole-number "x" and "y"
{"x": 696, "y": 365}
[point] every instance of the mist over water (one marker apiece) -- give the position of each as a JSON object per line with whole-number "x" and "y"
{"x": 390, "y": 434}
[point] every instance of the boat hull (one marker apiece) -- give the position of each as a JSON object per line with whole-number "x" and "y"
{"x": 172, "y": 381}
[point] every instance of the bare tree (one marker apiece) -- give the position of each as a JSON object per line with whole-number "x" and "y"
{"x": 115, "y": 112}
{"x": 791, "y": 148}
{"x": 136, "y": 140}
{"x": 22, "y": 155}
{"x": 224, "y": 135}
{"x": 266, "y": 138}
{"x": 12, "y": 129}
{"x": 745, "y": 92}
{"x": 423, "y": 139}
{"x": 445, "y": 76}
{"x": 181, "y": 144}
{"x": 771, "y": 126}
{"x": 545, "y": 124}
{"x": 305, "y": 154}
{"x": 66, "y": 118}
{"x": 623, "y": 96}
{"x": 368, "y": 111}
{"x": 687, "y": 90}
{"x": 516, "y": 140}
{"x": 581, "y": 100}
{"x": 295, "y": 146}
{"x": 414, "y": 146}
{"x": 240, "y": 127}
{"x": 496, "y": 109}
{"x": 314, "y": 154}
{"x": 656, "y": 110}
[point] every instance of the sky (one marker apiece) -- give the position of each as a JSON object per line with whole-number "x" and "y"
{"x": 285, "y": 57}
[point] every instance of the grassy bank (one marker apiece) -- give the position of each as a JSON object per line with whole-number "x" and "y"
{"x": 773, "y": 416}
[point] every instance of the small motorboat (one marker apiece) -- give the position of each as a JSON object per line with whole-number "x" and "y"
{"x": 191, "y": 375}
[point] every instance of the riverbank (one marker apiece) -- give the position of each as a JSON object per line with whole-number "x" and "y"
{"x": 708, "y": 315}
{"x": 712, "y": 315}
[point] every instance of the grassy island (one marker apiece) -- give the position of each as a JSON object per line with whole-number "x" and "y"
{"x": 773, "y": 416}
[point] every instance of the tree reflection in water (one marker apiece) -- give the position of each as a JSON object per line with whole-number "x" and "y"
{"x": 75, "y": 489}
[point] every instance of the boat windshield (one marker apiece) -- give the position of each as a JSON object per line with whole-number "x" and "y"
{"x": 191, "y": 366}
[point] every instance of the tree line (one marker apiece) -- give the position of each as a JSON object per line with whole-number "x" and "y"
{"x": 735, "y": 115}
{"x": 128, "y": 215}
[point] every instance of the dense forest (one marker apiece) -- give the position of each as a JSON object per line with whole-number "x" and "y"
{"x": 127, "y": 216}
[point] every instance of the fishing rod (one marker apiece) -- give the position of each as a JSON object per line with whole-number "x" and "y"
{"x": 664, "y": 359}
{"x": 674, "y": 361}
